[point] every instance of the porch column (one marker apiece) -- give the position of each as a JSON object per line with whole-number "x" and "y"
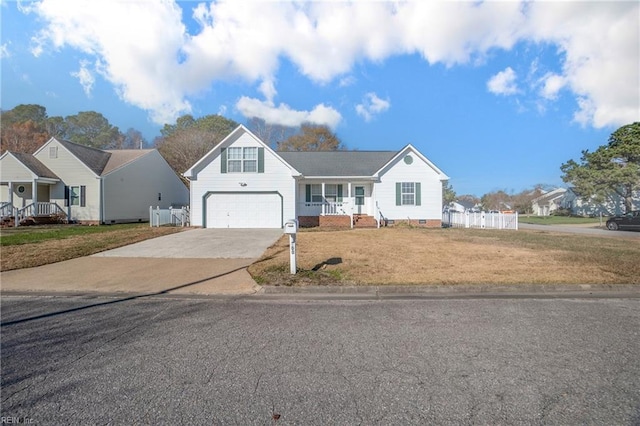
{"x": 11, "y": 193}
{"x": 34, "y": 193}
{"x": 323, "y": 203}
{"x": 351, "y": 203}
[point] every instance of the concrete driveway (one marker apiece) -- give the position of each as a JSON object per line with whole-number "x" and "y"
{"x": 202, "y": 244}
{"x": 195, "y": 261}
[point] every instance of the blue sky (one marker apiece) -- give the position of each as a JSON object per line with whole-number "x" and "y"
{"x": 497, "y": 94}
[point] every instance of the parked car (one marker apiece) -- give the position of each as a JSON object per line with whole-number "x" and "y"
{"x": 629, "y": 220}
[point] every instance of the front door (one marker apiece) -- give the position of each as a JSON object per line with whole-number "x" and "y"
{"x": 359, "y": 199}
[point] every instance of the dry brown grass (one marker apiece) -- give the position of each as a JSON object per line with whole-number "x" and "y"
{"x": 450, "y": 256}
{"x": 56, "y": 250}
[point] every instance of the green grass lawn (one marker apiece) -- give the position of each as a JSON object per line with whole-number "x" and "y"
{"x": 561, "y": 220}
{"x": 36, "y": 234}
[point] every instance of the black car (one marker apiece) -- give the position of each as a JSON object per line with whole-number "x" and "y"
{"x": 629, "y": 220}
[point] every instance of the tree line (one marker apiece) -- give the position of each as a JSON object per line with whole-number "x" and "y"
{"x": 26, "y": 128}
{"x": 610, "y": 170}
{"x": 613, "y": 168}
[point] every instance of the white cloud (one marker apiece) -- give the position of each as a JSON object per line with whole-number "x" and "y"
{"x": 347, "y": 81}
{"x": 551, "y": 85}
{"x": 503, "y": 83}
{"x": 85, "y": 77}
{"x": 372, "y": 105}
{"x": 284, "y": 115}
{"x": 4, "y": 51}
{"x": 268, "y": 89}
{"x": 146, "y": 53}
{"x": 600, "y": 43}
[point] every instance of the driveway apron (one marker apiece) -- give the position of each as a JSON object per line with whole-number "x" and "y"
{"x": 195, "y": 261}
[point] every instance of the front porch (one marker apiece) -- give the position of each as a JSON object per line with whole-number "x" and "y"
{"x": 334, "y": 203}
{"x": 38, "y": 213}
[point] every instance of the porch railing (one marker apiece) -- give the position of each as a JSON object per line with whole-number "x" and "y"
{"x": 7, "y": 209}
{"x": 325, "y": 208}
{"x": 41, "y": 209}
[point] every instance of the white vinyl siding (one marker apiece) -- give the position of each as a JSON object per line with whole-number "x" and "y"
{"x": 72, "y": 172}
{"x": 395, "y": 199}
{"x": 212, "y": 178}
{"x": 130, "y": 190}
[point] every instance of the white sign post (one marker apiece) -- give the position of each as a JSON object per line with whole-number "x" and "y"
{"x": 291, "y": 228}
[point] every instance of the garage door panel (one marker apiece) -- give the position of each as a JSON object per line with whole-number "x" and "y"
{"x": 244, "y": 210}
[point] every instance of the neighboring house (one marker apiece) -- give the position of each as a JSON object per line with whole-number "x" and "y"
{"x": 89, "y": 185}
{"x": 587, "y": 206}
{"x": 242, "y": 183}
{"x": 548, "y": 202}
{"x": 463, "y": 206}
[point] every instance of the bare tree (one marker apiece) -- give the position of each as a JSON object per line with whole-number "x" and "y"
{"x": 271, "y": 134}
{"x": 312, "y": 138}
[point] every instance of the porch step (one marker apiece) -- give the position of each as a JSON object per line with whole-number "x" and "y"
{"x": 364, "y": 221}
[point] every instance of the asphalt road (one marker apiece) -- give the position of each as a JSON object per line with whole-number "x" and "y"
{"x": 572, "y": 229}
{"x": 170, "y": 360}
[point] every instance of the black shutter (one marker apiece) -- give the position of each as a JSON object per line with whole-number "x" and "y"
{"x": 260, "y": 160}
{"x": 66, "y": 196}
{"x": 83, "y": 196}
{"x": 223, "y": 160}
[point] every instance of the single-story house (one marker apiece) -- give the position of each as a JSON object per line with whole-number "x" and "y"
{"x": 463, "y": 206}
{"x": 88, "y": 185}
{"x": 587, "y": 206}
{"x": 548, "y": 202}
{"x": 243, "y": 183}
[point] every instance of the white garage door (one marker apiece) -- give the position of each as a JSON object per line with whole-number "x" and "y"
{"x": 244, "y": 210}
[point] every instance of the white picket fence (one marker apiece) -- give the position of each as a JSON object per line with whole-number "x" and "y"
{"x": 171, "y": 216}
{"x": 481, "y": 220}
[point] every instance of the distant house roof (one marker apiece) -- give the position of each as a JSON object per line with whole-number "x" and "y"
{"x": 95, "y": 159}
{"x": 551, "y": 195}
{"x": 33, "y": 164}
{"x": 121, "y": 157}
{"x": 337, "y": 163}
{"x": 466, "y": 204}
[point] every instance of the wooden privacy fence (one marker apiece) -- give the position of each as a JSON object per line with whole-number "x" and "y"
{"x": 481, "y": 220}
{"x": 171, "y": 216}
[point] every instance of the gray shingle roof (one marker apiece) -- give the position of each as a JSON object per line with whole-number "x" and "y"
{"x": 33, "y": 164}
{"x": 94, "y": 158}
{"x": 337, "y": 163}
{"x": 120, "y": 157}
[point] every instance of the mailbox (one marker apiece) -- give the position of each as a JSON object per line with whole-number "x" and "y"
{"x": 291, "y": 227}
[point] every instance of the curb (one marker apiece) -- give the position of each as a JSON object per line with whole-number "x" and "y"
{"x": 460, "y": 289}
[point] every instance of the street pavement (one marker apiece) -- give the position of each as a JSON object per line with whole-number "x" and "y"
{"x": 241, "y": 360}
{"x": 582, "y": 230}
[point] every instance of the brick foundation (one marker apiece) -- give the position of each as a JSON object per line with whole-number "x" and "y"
{"x": 324, "y": 221}
{"x": 308, "y": 221}
{"x": 335, "y": 221}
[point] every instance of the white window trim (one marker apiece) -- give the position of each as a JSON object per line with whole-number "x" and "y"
{"x": 74, "y": 196}
{"x": 243, "y": 160}
{"x": 412, "y": 192}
